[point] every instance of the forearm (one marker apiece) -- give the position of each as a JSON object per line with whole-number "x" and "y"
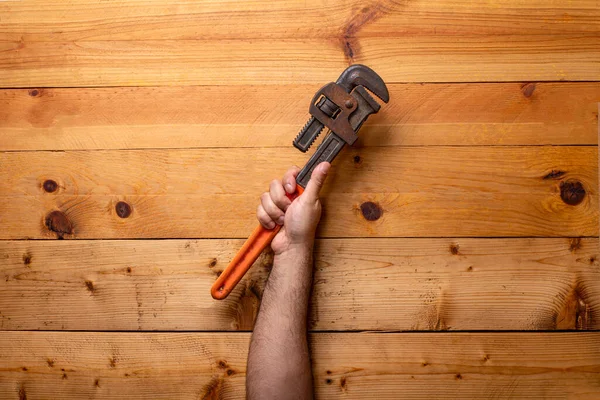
{"x": 278, "y": 362}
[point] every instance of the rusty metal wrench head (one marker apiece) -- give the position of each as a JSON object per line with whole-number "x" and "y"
{"x": 342, "y": 107}
{"x": 333, "y": 99}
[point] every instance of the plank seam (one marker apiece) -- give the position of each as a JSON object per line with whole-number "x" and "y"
{"x": 390, "y": 82}
{"x": 420, "y": 332}
{"x": 287, "y": 147}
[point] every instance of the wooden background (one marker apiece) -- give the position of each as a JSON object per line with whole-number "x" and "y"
{"x": 142, "y": 133}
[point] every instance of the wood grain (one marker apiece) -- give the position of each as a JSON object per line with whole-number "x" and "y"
{"x": 346, "y": 365}
{"x": 269, "y": 61}
{"x": 85, "y": 20}
{"x": 212, "y": 193}
{"x": 436, "y": 170}
{"x": 233, "y": 216}
{"x": 160, "y": 105}
{"x": 255, "y": 116}
{"x": 359, "y": 284}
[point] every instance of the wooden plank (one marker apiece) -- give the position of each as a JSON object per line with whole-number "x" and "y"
{"x": 253, "y": 116}
{"x": 468, "y": 365}
{"x": 498, "y": 170}
{"x": 346, "y": 365}
{"x": 85, "y": 20}
{"x": 359, "y": 284}
{"x": 212, "y": 193}
{"x": 242, "y": 62}
{"x": 233, "y": 216}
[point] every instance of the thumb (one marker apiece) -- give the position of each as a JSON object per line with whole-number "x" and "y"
{"x": 317, "y": 179}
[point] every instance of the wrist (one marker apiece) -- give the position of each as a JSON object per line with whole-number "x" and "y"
{"x": 296, "y": 250}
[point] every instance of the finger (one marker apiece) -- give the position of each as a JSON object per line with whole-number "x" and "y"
{"x": 264, "y": 218}
{"x": 274, "y": 212}
{"x": 289, "y": 179}
{"x": 317, "y": 179}
{"x": 278, "y": 195}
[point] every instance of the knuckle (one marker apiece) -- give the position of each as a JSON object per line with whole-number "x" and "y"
{"x": 269, "y": 204}
{"x": 274, "y": 211}
{"x": 264, "y": 217}
{"x": 275, "y": 191}
{"x": 280, "y": 202}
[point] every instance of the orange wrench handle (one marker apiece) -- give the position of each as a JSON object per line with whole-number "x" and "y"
{"x": 243, "y": 260}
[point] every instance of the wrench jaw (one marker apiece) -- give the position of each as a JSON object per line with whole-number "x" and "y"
{"x": 333, "y": 105}
{"x": 361, "y": 75}
{"x": 308, "y": 134}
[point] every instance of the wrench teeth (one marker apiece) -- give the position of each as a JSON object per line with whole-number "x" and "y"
{"x": 304, "y": 129}
{"x": 308, "y": 134}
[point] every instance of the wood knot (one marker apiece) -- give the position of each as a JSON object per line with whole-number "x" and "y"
{"x": 212, "y": 263}
{"x": 212, "y": 390}
{"x": 458, "y": 376}
{"x": 572, "y": 192}
{"x": 267, "y": 259}
{"x": 123, "y": 209}
{"x": 24, "y": 369}
{"x": 328, "y": 381}
{"x": 254, "y": 291}
{"x": 50, "y": 362}
{"x": 574, "y": 244}
{"x": 27, "y": 259}
{"x": 454, "y": 248}
{"x": 58, "y": 222}
{"x": 575, "y": 312}
{"x": 528, "y": 89}
{"x": 357, "y": 160}
{"x": 371, "y": 211}
{"x": 34, "y": 92}
{"x": 97, "y": 383}
{"x": 22, "y": 392}
{"x": 50, "y": 186}
{"x": 347, "y": 48}
{"x": 90, "y": 286}
{"x": 343, "y": 382}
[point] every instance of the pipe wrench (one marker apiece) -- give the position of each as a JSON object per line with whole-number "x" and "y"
{"x": 342, "y": 106}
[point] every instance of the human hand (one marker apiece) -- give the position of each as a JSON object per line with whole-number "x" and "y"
{"x": 300, "y": 217}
